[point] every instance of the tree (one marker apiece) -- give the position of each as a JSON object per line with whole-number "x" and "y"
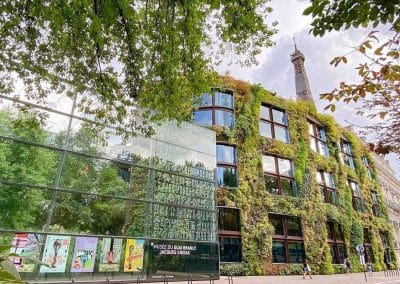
{"x": 119, "y": 54}
{"x": 379, "y": 89}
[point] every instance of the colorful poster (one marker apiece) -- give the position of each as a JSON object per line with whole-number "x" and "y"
{"x": 110, "y": 255}
{"x": 84, "y": 254}
{"x": 134, "y": 253}
{"x": 25, "y": 245}
{"x": 55, "y": 254}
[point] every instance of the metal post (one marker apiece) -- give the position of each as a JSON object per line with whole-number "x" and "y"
{"x": 211, "y": 278}
{"x": 59, "y": 170}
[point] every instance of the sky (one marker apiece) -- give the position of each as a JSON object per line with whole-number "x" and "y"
{"x": 275, "y": 71}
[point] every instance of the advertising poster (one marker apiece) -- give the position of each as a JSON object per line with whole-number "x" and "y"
{"x": 134, "y": 253}
{"x": 55, "y": 254}
{"x": 84, "y": 254}
{"x": 110, "y": 255}
{"x": 25, "y": 245}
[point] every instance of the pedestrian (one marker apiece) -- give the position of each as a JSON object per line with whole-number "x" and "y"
{"x": 369, "y": 269}
{"x": 306, "y": 270}
{"x": 347, "y": 265}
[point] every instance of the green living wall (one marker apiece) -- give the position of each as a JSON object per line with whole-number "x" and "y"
{"x": 255, "y": 203}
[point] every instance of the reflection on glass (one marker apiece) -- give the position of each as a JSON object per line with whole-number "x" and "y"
{"x": 271, "y": 184}
{"x": 203, "y": 117}
{"x": 226, "y": 154}
{"x": 281, "y": 134}
{"x": 265, "y": 129}
{"x": 264, "y": 113}
{"x": 269, "y": 164}
{"x": 287, "y": 186}
{"x": 296, "y": 252}
{"x": 228, "y": 219}
{"x": 223, "y": 99}
{"x": 279, "y": 116}
{"x": 224, "y": 118}
{"x": 293, "y": 227}
{"x": 278, "y": 252}
{"x": 277, "y": 222}
{"x": 206, "y": 100}
{"x": 226, "y": 176}
{"x": 285, "y": 167}
{"x": 230, "y": 249}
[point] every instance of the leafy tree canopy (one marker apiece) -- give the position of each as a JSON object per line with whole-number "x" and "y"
{"x": 118, "y": 54}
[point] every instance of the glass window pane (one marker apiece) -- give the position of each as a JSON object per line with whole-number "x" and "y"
{"x": 228, "y": 219}
{"x": 311, "y": 129}
{"x": 278, "y": 252}
{"x": 264, "y": 113}
{"x": 338, "y": 232}
{"x": 265, "y": 129}
{"x": 313, "y": 144}
{"x": 285, "y": 167}
{"x": 323, "y": 150}
{"x": 332, "y": 251}
{"x": 226, "y": 176}
{"x": 224, "y": 118}
{"x": 342, "y": 253}
{"x": 321, "y": 134}
{"x": 329, "y": 180}
{"x": 281, "y": 134}
{"x": 332, "y": 197}
{"x": 223, "y": 99}
{"x": 287, "y": 186}
{"x": 226, "y": 154}
{"x": 269, "y": 164}
{"x": 203, "y": 101}
{"x": 230, "y": 249}
{"x": 366, "y": 236}
{"x": 279, "y": 116}
{"x": 277, "y": 222}
{"x": 296, "y": 252}
{"x": 293, "y": 226}
{"x": 319, "y": 177}
{"x": 271, "y": 184}
{"x": 329, "y": 229}
{"x": 203, "y": 117}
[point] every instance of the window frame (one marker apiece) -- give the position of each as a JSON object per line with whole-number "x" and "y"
{"x": 326, "y": 188}
{"x": 335, "y": 241}
{"x": 214, "y": 107}
{"x": 280, "y": 176}
{"x": 316, "y": 127}
{"x": 357, "y": 201}
{"x": 223, "y": 164}
{"x": 367, "y": 166}
{"x": 344, "y": 156}
{"x": 367, "y": 245}
{"x": 273, "y": 123}
{"x": 376, "y": 208}
{"x": 285, "y": 238}
{"x": 228, "y": 234}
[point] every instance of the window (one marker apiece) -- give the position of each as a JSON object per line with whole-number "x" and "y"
{"x": 376, "y": 209}
{"x": 345, "y": 153}
{"x": 215, "y": 109}
{"x": 273, "y": 124}
{"x": 278, "y": 176}
{"x": 386, "y": 247}
{"x": 358, "y": 203}
{"x": 287, "y": 241}
{"x": 369, "y": 256}
{"x": 318, "y": 139}
{"x": 229, "y": 234}
{"x": 327, "y": 186}
{"x": 226, "y": 165}
{"x": 336, "y": 242}
{"x": 367, "y": 166}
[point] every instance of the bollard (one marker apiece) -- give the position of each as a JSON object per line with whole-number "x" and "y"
{"x": 230, "y": 279}
{"x": 211, "y": 278}
{"x": 190, "y": 279}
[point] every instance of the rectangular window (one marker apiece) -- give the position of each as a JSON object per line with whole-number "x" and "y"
{"x": 228, "y": 219}
{"x": 336, "y": 242}
{"x": 358, "y": 203}
{"x": 203, "y": 117}
{"x": 278, "y": 176}
{"x": 386, "y": 248}
{"x": 230, "y": 249}
{"x": 376, "y": 209}
{"x": 369, "y": 255}
{"x": 273, "y": 124}
{"x": 345, "y": 153}
{"x": 327, "y": 186}
{"x": 287, "y": 241}
{"x": 318, "y": 139}
{"x": 367, "y": 166}
{"x": 230, "y": 242}
{"x": 226, "y": 174}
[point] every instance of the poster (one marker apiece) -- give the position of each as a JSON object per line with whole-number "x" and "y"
{"x": 134, "y": 252}
{"x": 26, "y": 245}
{"x": 84, "y": 254}
{"x": 55, "y": 254}
{"x": 110, "y": 255}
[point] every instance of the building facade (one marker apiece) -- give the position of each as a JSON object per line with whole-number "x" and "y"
{"x": 293, "y": 184}
{"x": 391, "y": 192}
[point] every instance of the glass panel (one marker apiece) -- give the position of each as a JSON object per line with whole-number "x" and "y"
{"x": 230, "y": 249}
{"x": 223, "y": 99}
{"x": 332, "y": 198}
{"x": 203, "y": 101}
{"x": 285, "y": 167}
{"x": 278, "y": 252}
{"x": 226, "y": 154}
{"x": 321, "y": 134}
{"x": 203, "y": 117}
{"x": 277, "y": 222}
{"x": 332, "y": 251}
{"x": 224, "y": 118}
{"x": 279, "y": 116}
{"x": 329, "y": 229}
{"x": 269, "y": 164}
{"x": 374, "y": 197}
{"x": 265, "y": 129}
{"x": 264, "y": 113}
{"x": 293, "y": 226}
{"x": 228, "y": 219}
{"x": 287, "y": 186}
{"x": 329, "y": 181}
{"x": 323, "y": 150}
{"x": 355, "y": 188}
{"x": 369, "y": 255}
{"x": 338, "y": 232}
{"x": 226, "y": 176}
{"x": 311, "y": 129}
{"x": 318, "y": 177}
{"x": 281, "y": 134}
{"x": 296, "y": 252}
{"x": 271, "y": 184}
{"x": 313, "y": 144}
{"x": 366, "y": 236}
{"x": 342, "y": 253}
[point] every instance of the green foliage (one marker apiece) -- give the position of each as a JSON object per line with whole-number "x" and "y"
{"x": 234, "y": 269}
{"x": 292, "y": 269}
{"x": 120, "y": 53}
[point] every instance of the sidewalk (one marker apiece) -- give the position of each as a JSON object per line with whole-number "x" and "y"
{"x": 355, "y": 278}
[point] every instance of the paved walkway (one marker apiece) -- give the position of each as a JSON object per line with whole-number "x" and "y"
{"x": 355, "y": 278}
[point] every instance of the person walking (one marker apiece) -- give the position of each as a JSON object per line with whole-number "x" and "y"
{"x": 306, "y": 270}
{"x": 347, "y": 265}
{"x": 369, "y": 269}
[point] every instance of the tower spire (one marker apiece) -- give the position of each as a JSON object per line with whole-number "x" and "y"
{"x": 303, "y": 90}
